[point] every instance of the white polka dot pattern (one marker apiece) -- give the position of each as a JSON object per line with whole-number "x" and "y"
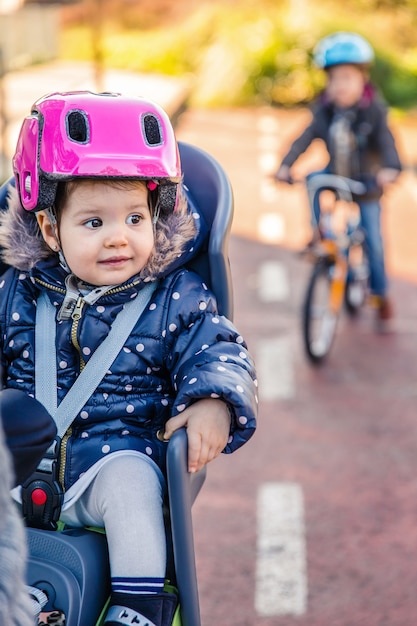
{"x": 185, "y": 351}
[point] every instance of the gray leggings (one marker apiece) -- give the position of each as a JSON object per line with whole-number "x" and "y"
{"x": 126, "y": 498}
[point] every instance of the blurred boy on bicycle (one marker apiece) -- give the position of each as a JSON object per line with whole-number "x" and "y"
{"x": 351, "y": 119}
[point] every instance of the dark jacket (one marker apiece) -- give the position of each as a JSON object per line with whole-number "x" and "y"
{"x": 373, "y": 145}
{"x": 29, "y": 431}
{"x": 180, "y": 350}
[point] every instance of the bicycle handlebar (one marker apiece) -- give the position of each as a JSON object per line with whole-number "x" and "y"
{"x": 332, "y": 182}
{"x": 346, "y": 187}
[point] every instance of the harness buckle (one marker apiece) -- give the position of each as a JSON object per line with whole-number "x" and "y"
{"x": 42, "y": 494}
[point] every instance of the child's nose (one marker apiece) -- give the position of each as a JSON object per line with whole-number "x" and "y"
{"x": 116, "y": 238}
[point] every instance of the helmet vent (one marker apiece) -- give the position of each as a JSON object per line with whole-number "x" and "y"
{"x": 78, "y": 127}
{"x": 152, "y": 130}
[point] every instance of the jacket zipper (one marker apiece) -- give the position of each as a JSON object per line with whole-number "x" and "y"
{"x": 76, "y": 316}
{"x": 135, "y": 283}
{"x": 43, "y": 283}
{"x": 49, "y": 286}
{"x": 62, "y": 455}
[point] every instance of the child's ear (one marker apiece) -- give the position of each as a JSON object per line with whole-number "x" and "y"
{"x": 47, "y": 230}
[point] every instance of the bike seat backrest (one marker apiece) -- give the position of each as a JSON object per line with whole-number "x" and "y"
{"x": 211, "y": 192}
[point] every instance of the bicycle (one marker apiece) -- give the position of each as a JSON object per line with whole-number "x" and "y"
{"x": 340, "y": 273}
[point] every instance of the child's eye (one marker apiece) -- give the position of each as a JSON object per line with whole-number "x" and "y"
{"x": 95, "y": 222}
{"x": 134, "y": 219}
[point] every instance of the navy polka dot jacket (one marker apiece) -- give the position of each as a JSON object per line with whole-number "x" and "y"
{"x": 181, "y": 350}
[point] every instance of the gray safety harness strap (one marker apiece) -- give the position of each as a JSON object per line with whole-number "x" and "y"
{"x": 96, "y": 367}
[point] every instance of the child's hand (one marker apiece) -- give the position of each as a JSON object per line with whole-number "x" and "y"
{"x": 387, "y": 175}
{"x": 283, "y": 174}
{"x": 208, "y": 427}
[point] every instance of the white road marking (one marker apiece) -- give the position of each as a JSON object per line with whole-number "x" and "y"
{"x": 271, "y": 227}
{"x": 273, "y": 358}
{"x": 268, "y": 124}
{"x": 268, "y": 142}
{"x": 273, "y": 284}
{"x": 281, "y": 569}
{"x": 268, "y": 163}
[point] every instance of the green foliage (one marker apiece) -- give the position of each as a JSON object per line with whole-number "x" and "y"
{"x": 397, "y": 80}
{"x": 244, "y": 53}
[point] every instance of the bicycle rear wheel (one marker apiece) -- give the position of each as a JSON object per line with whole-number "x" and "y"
{"x": 319, "y": 319}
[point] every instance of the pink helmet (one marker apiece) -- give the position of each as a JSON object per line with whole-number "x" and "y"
{"x": 85, "y": 135}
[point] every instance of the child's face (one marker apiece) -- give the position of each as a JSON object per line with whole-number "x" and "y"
{"x": 106, "y": 232}
{"x": 345, "y": 85}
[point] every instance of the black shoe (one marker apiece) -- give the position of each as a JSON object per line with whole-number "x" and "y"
{"x": 155, "y": 609}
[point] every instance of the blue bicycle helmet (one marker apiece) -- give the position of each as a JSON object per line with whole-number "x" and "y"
{"x": 343, "y": 47}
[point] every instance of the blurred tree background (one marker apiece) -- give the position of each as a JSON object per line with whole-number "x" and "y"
{"x": 245, "y": 52}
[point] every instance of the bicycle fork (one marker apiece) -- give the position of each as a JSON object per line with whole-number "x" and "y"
{"x": 338, "y": 283}
{"x": 339, "y": 269}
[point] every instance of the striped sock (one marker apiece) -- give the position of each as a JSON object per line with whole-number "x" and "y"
{"x": 137, "y": 586}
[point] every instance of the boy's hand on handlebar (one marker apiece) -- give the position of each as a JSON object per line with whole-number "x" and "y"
{"x": 208, "y": 426}
{"x": 386, "y": 176}
{"x": 283, "y": 174}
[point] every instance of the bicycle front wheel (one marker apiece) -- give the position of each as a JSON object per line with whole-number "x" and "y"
{"x": 319, "y": 317}
{"x": 357, "y": 282}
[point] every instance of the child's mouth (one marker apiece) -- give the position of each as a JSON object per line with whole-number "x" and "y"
{"x": 115, "y": 260}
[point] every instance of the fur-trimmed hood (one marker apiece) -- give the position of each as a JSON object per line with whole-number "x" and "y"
{"x": 178, "y": 236}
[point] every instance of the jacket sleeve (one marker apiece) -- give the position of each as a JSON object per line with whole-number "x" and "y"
{"x": 7, "y": 286}
{"x": 28, "y": 428}
{"x": 384, "y": 138}
{"x": 208, "y": 358}
{"x": 315, "y": 130}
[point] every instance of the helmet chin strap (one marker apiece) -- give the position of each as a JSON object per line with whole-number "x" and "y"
{"x": 62, "y": 261}
{"x": 53, "y": 221}
{"x": 156, "y": 212}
